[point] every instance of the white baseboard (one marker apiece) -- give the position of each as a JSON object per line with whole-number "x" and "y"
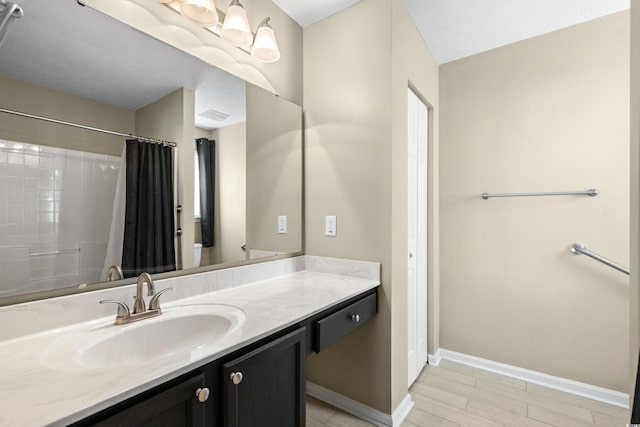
{"x": 360, "y": 410}
{"x": 434, "y": 359}
{"x": 600, "y": 394}
{"x": 402, "y": 411}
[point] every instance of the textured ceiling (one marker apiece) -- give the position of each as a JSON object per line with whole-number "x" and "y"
{"x": 306, "y": 12}
{"x": 454, "y": 29}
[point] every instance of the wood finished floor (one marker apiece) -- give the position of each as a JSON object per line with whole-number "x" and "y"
{"x": 453, "y": 395}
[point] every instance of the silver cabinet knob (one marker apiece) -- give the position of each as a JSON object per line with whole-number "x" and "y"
{"x": 202, "y": 394}
{"x": 355, "y": 317}
{"x": 236, "y": 377}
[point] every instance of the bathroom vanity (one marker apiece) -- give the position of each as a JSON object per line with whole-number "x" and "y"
{"x": 260, "y": 384}
{"x": 251, "y": 374}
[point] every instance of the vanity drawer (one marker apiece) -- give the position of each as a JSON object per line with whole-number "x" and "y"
{"x": 336, "y": 325}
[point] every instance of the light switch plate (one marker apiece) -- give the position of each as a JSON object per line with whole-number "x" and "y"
{"x": 282, "y": 224}
{"x": 330, "y": 226}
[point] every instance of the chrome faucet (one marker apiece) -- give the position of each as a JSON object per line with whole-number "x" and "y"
{"x": 114, "y": 273}
{"x": 140, "y": 310}
{"x": 139, "y": 306}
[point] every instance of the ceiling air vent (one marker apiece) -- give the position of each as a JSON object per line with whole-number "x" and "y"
{"x": 218, "y": 116}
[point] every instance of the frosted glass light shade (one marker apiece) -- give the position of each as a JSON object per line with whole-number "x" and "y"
{"x": 265, "y": 47}
{"x": 236, "y": 27}
{"x": 202, "y": 12}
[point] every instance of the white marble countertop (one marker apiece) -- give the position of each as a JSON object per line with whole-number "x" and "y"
{"x": 32, "y": 394}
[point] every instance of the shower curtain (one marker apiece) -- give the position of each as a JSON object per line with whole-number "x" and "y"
{"x": 149, "y": 225}
{"x": 206, "y": 150}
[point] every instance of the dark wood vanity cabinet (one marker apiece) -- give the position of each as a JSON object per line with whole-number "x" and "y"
{"x": 325, "y": 328}
{"x": 266, "y": 386}
{"x": 329, "y": 328}
{"x": 259, "y": 385}
{"x": 178, "y": 406}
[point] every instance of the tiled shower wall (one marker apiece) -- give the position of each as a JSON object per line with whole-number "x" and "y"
{"x": 55, "y": 216}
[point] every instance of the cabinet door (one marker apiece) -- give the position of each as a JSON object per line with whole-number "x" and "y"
{"x": 175, "y": 407}
{"x": 266, "y": 387}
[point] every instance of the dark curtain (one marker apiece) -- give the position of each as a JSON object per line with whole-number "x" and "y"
{"x": 206, "y": 149}
{"x": 149, "y": 227}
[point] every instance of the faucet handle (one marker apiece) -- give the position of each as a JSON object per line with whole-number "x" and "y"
{"x": 123, "y": 309}
{"x": 154, "y": 304}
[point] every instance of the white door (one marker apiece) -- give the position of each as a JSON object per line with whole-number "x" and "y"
{"x": 417, "y": 235}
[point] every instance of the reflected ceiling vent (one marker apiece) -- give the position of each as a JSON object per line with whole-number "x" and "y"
{"x": 218, "y": 116}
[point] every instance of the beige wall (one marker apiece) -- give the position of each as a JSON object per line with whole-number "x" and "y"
{"x": 231, "y": 147}
{"x": 412, "y": 65}
{"x": 283, "y": 77}
{"x": 635, "y": 195}
{"x": 348, "y": 174}
{"x": 546, "y": 114}
{"x": 172, "y": 118}
{"x": 40, "y": 100}
{"x": 355, "y": 168}
{"x": 274, "y": 172}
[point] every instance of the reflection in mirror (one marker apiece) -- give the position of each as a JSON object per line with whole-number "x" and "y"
{"x": 58, "y": 184}
{"x": 257, "y": 170}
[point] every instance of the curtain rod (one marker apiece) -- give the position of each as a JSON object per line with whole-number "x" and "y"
{"x": 95, "y": 129}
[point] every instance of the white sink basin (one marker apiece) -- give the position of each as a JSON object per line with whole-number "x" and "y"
{"x": 176, "y": 333}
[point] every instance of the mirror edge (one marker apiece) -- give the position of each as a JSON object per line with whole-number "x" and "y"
{"x": 55, "y": 293}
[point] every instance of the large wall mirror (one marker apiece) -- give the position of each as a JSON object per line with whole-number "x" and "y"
{"x": 61, "y": 186}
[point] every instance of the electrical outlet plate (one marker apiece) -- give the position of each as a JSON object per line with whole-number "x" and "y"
{"x": 282, "y": 224}
{"x": 330, "y": 226}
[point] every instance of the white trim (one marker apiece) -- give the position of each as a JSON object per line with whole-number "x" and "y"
{"x": 434, "y": 359}
{"x": 589, "y": 391}
{"x": 360, "y": 410}
{"x": 402, "y": 411}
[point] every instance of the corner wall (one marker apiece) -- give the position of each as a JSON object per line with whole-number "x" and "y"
{"x": 547, "y": 114}
{"x": 356, "y": 168}
{"x": 231, "y": 143}
{"x": 347, "y": 90}
{"x": 412, "y": 66}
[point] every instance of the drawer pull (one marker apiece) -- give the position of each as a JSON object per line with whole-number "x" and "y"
{"x": 236, "y": 377}
{"x": 355, "y": 318}
{"x": 202, "y": 394}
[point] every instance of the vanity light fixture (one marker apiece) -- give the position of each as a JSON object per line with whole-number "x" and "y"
{"x": 265, "y": 47}
{"x": 8, "y": 12}
{"x": 202, "y": 12}
{"x": 236, "y": 27}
